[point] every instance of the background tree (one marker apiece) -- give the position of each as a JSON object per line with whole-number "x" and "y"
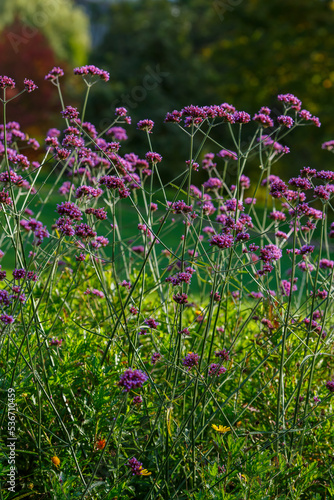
{"x": 222, "y": 51}
{"x": 34, "y": 37}
{"x": 64, "y": 25}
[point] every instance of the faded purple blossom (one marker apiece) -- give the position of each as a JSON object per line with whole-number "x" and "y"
{"x": 215, "y": 370}
{"x": 118, "y": 133}
{"x": 180, "y": 298}
{"x": 137, "y": 401}
{"x": 330, "y": 385}
{"x": 156, "y": 356}
{"x": 56, "y": 342}
{"x": 152, "y": 323}
{"x": 329, "y": 145}
{"x": 326, "y": 264}
{"x": 286, "y": 287}
{"x": 7, "y": 319}
{"x": 223, "y": 354}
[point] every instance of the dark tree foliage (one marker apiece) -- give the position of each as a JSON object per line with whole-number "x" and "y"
{"x": 164, "y": 55}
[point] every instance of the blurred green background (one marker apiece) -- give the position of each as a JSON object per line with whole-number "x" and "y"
{"x": 163, "y": 55}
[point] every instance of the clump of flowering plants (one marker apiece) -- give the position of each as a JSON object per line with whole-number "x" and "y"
{"x": 184, "y": 326}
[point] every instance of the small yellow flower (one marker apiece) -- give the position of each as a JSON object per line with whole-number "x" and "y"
{"x": 144, "y": 472}
{"x": 220, "y": 428}
{"x": 30, "y": 486}
{"x": 55, "y": 460}
{"x": 24, "y": 394}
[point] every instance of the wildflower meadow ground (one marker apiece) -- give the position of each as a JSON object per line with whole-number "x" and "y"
{"x": 164, "y": 339}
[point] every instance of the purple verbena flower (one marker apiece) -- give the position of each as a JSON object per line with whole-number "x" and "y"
{"x": 212, "y": 183}
{"x": 290, "y": 100}
{"x": 222, "y": 241}
{"x": 6, "y": 81}
{"x": 88, "y": 191}
{"x": 153, "y": 157}
{"x": 190, "y": 360}
{"x": 300, "y": 183}
{"x": 70, "y": 210}
{"x": 84, "y": 231}
{"x": 286, "y": 121}
{"x": 92, "y": 71}
{"x": 56, "y": 72}
{"x": 270, "y": 253}
{"x": 179, "y": 207}
{"x": 135, "y": 466}
{"x": 241, "y": 117}
{"x": 145, "y": 125}
{"x": 263, "y": 119}
{"x": 70, "y": 112}
{"x": 29, "y": 85}
{"x": 227, "y": 155}
{"x": 64, "y": 225}
{"x": 118, "y": 133}
{"x": 132, "y": 379}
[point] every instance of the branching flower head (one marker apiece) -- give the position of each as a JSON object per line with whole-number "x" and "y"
{"x": 55, "y": 73}
{"x": 6, "y": 81}
{"x": 29, "y": 85}
{"x": 92, "y": 71}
